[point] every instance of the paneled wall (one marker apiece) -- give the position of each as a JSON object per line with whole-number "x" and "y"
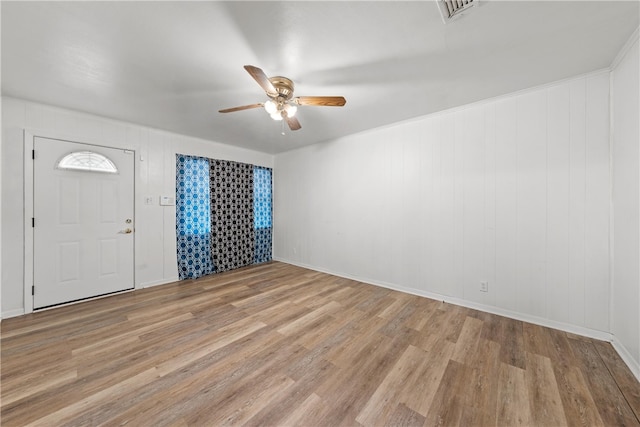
{"x": 513, "y": 191}
{"x": 155, "y": 249}
{"x": 626, "y": 206}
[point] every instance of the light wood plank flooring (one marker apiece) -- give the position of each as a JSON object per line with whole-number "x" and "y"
{"x": 280, "y": 345}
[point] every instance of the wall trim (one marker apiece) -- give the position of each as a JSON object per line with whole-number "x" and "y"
{"x": 27, "y": 236}
{"x": 137, "y": 126}
{"x": 458, "y": 108}
{"x": 625, "y": 49}
{"x": 566, "y": 327}
{"x": 626, "y": 357}
{"x": 153, "y": 283}
{"x": 19, "y": 312}
{"x": 12, "y": 313}
{"x": 612, "y": 224}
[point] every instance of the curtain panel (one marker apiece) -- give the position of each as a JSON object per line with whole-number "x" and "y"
{"x": 262, "y": 214}
{"x": 223, "y": 215}
{"x": 232, "y": 243}
{"x": 193, "y": 217}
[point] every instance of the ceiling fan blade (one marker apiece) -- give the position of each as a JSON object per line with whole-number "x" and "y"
{"x": 293, "y": 123}
{"x": 244, "y": 107}
{"x": 262, "y": 79}
{"x": 327, "y": 101}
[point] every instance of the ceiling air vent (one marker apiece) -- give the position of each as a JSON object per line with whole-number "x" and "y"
{"x": 450, "y": 9}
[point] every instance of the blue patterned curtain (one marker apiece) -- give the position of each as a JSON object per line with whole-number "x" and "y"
{"x": 193, "y": 217}
{"x": 262, "y": 212}
{"x": 223, "y": 215}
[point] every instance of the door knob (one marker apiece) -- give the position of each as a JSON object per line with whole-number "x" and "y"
{"x": 127, "y": 231}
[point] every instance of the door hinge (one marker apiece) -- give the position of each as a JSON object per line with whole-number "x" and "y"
{"x": 33, "y": 154}
{"x": 33, "y": 290}
{"x": 33, "y": 222}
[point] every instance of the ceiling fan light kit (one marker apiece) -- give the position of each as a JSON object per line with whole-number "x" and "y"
{"x": 281, "y": 104}
{"x": 275, "y": 108}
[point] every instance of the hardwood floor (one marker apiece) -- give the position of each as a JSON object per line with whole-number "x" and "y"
{"x": 280, "y": 345}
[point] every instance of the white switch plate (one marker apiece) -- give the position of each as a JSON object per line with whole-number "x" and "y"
{"x": 148, "y": 200}
{"x": 167, "y": 201}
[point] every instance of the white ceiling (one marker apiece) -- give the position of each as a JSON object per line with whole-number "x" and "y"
{"x": 173, "y": 65}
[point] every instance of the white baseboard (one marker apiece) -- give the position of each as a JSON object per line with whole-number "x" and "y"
{"x": 624, "y": 354}
{"x": 157, "y": 282}
{"x": 566, "y": 327}
{"x": 626, "y": 357}
{"x": 12, "y": 313}
{"x": 20, "y": 311}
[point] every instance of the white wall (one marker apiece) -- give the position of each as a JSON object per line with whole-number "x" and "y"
{"x": 155, "y": 175}
{"x": 514, "y": 191}
{"x": 1, "y": 199}
{"x": 625, "y": 319}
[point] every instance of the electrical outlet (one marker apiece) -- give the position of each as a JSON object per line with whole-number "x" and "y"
{"x": 484, "y": 286}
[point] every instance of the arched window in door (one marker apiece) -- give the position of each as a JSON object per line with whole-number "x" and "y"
{"x": 87, "y": 161}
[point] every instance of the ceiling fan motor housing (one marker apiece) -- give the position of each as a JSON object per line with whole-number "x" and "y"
{"x": 284, "y": 87}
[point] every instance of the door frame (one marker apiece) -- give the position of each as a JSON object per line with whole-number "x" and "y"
{"x": 29, "y": 136}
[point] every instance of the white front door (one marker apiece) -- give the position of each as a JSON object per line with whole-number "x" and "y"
{"x": 83, "y": 221}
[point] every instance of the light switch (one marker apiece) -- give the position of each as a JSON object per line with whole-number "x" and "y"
{"x": 167, "y": 201}
{"x": 148, "y": 200}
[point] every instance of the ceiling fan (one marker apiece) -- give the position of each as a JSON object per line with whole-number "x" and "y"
{"x": 281, "y": 104}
